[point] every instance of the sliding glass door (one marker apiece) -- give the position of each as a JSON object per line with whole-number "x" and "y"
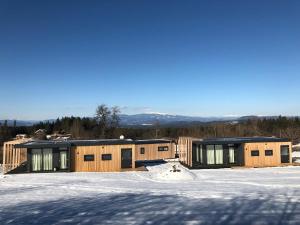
{"x": 210, "y": 153}
{"x": 63, "y": 155}
{"x": 42, "y": 159}
{"x": 231, "y": 155}
{"x": 214, "y": 154}
{"x": 47, "y": 159}
{"x": 36, "y": 159}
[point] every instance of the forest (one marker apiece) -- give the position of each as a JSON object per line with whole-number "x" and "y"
{"x": 106, "y": 124}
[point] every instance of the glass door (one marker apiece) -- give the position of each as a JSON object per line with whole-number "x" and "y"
{"x": 36, "y": 159}
{"x": 63, "y": 155}
{"x": 285, "y": 153}
{"x": 126, "y": 158}
{"x": 47, "y": 159}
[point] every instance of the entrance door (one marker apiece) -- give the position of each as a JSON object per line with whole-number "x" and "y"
{"x": 285, "y": 154}
{"x": 126, "y": 158}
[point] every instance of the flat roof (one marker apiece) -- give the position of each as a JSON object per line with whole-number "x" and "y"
{"x": 239, "y": 140}
{"x": 96, "y": 142}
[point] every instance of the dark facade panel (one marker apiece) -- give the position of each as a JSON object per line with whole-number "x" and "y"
{"x": 216, "y": 155}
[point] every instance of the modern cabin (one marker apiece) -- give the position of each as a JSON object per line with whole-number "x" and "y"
{"x": 105, "y": 155}
{"x": 230, "y": 152}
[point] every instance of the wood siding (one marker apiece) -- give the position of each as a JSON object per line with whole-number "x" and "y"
{"x": 98, "y": 165}
{"x": 185, "y": 150}
{"x": 152, "y": 153}
{"x": 13, "y": 157}
{"x": 262, "y": 160}
{"x": 185, "y": 153}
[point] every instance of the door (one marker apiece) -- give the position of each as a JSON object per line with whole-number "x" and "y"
{"x": 36, "y": 160}
{"x": 63, "y": 157}
{"x": 126, "y": 158}
{"x": 285, "y": 154}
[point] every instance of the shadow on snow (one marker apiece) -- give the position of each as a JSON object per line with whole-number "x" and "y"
{"x": 153, "y": 209}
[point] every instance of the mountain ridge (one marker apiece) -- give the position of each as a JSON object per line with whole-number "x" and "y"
{"x": 150, "y": 119}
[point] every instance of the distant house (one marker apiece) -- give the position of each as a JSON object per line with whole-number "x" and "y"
{"x": 230, "y": 152}
{"x": 104, "y": 155}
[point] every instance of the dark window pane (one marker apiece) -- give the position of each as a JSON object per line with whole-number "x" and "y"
{"x": 106, "y": 156}
{"x": 268, "y": 152}
{"x": 142, "y": 150}
{"x": 163, "y": 148}
{"x": 88, "y": 157}
{"x": 254, "y": 153}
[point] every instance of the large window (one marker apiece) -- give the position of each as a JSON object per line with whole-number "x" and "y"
{"x": 214, "y": 154}
{"x": 63, "y": 159}
{"x": 210, "y": 153}
{"x": 47, "y": 159}
{"x": 219, "y": 154}
{"x": 163, "y": 148}
{"x": 199, "y": 154}
{"x": 36, "y": 159}
{"x": 232, "y": 155}
{"x": 42, "y": 159}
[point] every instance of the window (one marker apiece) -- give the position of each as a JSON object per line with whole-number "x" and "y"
{"x": 36, "y": 159}
{"x": 255, "y": 153}
{"x": 47, "y": 159}
{"x": 106, "y": 156}
{"x": 219, "y": 154}
{"x": 214, "y": 154}
{"x": 142, "y": 150}
{"x": 197, "y": 153}
{"x": 268, "y": 152}
{"x": 231, "y": 155}
{"x": 163, "y": 148}
{"x": 210, "y": 154}
{"x": 63, "y": 159}
{"x": 88, "y": 157}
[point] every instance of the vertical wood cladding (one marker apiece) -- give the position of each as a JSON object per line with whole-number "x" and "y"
{"x": 262, "y": 159}
{"x": 151, "y": 151}
{"x": 99, "y": 165}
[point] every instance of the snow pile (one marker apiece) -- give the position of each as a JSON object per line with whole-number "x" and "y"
{"x": 169, "y": 171}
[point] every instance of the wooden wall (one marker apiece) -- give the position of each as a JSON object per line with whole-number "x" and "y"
{"x": 13, "y": 157}
{"x": 152, "y": 153}
{"x": 185, "y": 150}
{"x": 262, "y": 160}
{"x": 98, "y": 165}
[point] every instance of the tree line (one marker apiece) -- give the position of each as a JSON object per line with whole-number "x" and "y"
{"x": 106, "y": 124}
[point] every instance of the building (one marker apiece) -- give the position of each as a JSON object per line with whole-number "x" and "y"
{"x": 105, "y": 155}
{"x": 230, "y": 152}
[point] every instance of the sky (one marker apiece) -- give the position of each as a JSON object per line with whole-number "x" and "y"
{"x": 199, "y": 58}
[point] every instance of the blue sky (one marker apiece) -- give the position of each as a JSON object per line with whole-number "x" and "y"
{"x": 205, "y": 58}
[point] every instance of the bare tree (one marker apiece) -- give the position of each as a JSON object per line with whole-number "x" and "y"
{"x": 102, "y": 117}
{"x": 115, "y": 116}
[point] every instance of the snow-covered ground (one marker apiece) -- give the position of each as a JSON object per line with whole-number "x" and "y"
{"x": 222, "y": 196}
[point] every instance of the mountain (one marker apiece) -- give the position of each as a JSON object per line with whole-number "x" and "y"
{"x": 151, "y": 119}
{"x": 166, "y": 119}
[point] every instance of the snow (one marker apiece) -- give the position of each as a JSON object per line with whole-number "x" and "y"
{"x": 158, "y": 196}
